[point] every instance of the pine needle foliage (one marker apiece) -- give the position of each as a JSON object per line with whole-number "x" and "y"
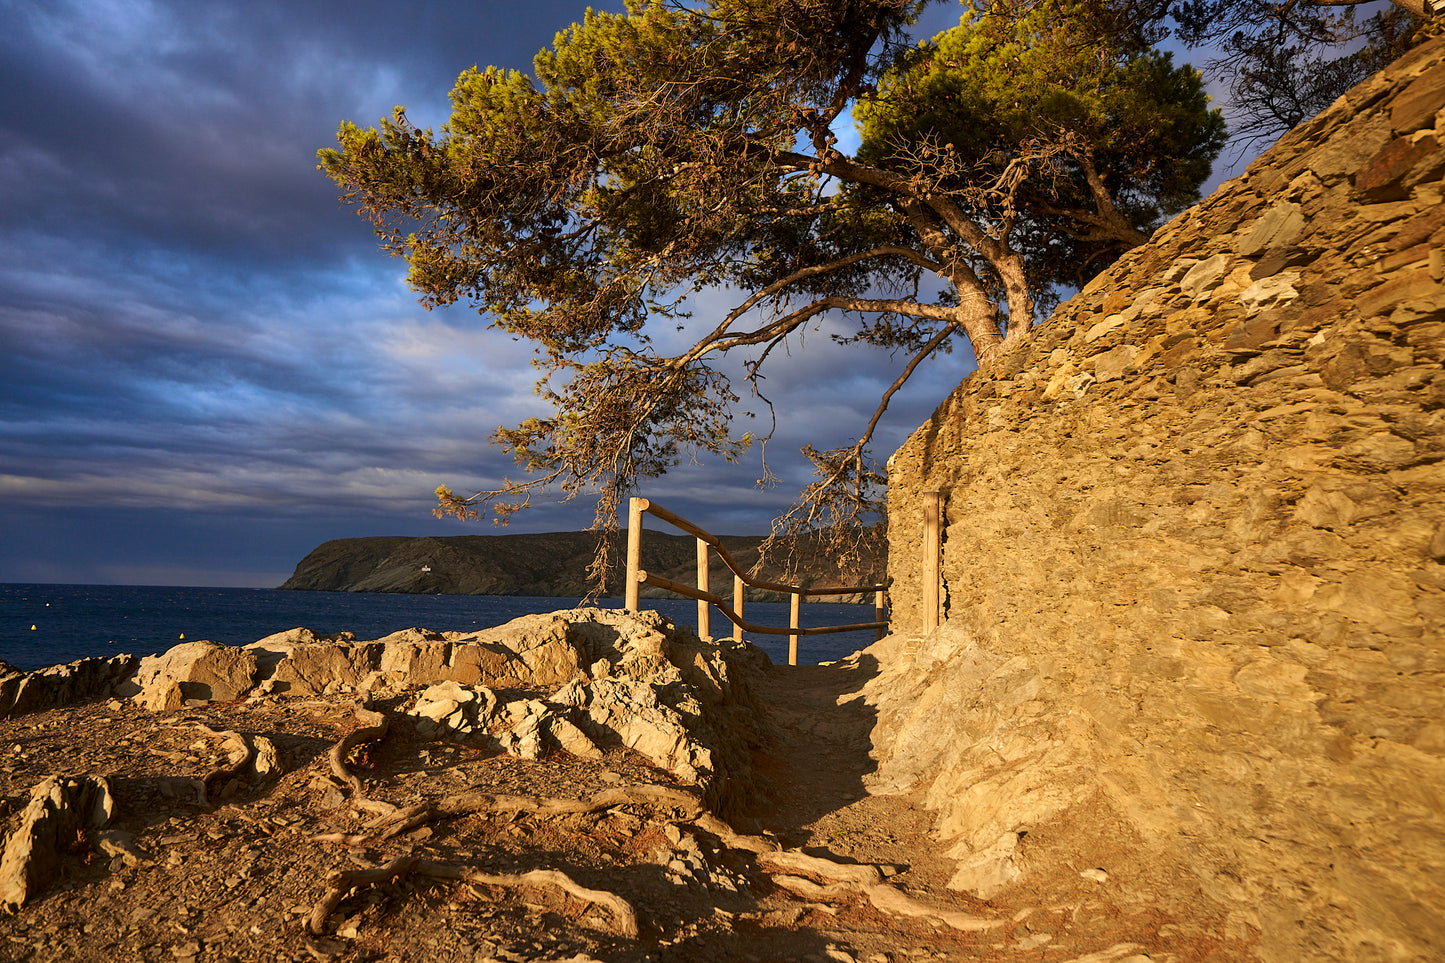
{"x": 683, "y": 148}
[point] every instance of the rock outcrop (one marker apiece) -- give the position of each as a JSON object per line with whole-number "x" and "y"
{"x": 579, "y": 680}
{"x": 1194, "y": 535}
{"x": 61, "y": 812}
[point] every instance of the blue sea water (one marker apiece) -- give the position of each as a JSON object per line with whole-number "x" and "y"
{"x": 44, "y": 625}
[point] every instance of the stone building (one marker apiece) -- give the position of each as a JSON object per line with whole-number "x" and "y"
{"x": 1193, "y": 563}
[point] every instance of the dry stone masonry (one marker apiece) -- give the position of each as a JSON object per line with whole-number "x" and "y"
{"x": 1194, "y": 552}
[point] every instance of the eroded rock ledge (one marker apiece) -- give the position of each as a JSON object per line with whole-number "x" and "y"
{"x": 576, "y": 680}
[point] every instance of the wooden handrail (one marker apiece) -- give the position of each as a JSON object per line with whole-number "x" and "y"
{"x": 726, "y": 609}
{"x": 679, "y": 522}
{"x": 734, "y": 612}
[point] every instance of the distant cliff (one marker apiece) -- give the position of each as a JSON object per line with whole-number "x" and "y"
{"x": 553, "y": 564}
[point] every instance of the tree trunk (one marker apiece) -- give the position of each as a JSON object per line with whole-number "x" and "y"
{"x": 979, "y": 320}
{"x": 1018, "y": 293}
{"x": 1425, "y": 9}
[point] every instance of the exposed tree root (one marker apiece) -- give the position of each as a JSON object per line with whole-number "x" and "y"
{"x": 891, "y": 900}
{"x": 400, "y": 821}
{"x": 887, "y": 899}
{"x": 374, "y": 727}
{"x": 624, "y": 916}
{"x": 789, "y": 869}
{"x": 792, "y": 861}
{"x": 342, "y": 884}
{"x": 845, "y": 879}
{"x": 250, "y": 758}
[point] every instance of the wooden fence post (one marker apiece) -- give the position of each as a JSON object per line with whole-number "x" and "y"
{"x": 635, "y": 508}
{"x": 793, "y": 624}
{"x": 879, "y": 613}
{"x": 738, "y": 607}
{"x": 704, "y": 610}
{"x": 932, "y": 550}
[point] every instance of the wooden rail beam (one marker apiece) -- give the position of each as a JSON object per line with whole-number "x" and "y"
{"x": 736, "y": 617}
{"x": 706, "y": 599}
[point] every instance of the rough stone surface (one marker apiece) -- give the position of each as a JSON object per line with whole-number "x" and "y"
{"x": 204, "y": 671}
{"x": 24, "y": 692}
{"x": 60, "y": 813}
{"x": 1193, "y": 550}
{"x": 616, "y": 678}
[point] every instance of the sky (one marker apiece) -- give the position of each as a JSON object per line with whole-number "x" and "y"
{"x": 207, "y": 367}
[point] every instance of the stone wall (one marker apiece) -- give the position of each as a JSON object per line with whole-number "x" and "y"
{"x": 1194, "y": 535}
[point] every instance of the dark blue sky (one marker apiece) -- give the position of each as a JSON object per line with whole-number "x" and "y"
{"x": 208, "y": 366}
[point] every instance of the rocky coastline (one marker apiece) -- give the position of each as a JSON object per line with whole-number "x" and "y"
{"x": 587, "y": 785}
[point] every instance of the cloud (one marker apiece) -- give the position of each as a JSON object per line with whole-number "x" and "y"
{"x": 206, "y": 364}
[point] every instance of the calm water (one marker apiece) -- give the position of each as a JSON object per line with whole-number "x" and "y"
{"x": 79, "y": 621}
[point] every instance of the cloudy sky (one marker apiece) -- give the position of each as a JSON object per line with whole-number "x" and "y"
{"x": 208, "y": 366}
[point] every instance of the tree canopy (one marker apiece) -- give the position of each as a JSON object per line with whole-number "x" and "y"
{"x": 679, "y": 148}
{"x": 1284, "y": 60}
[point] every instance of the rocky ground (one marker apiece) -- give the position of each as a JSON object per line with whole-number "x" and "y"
{"x": 417, "y": 843}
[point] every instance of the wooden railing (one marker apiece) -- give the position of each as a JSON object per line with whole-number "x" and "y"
{"x": 734, "y": 612}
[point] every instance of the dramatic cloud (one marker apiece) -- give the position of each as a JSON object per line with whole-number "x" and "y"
{"x": 209, "y": 367}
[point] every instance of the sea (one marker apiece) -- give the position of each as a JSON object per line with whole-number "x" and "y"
{"x": 45, "y": 625}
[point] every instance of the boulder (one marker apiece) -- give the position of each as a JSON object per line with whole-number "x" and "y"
{"x": 200, "y": 670}
{"x": 312, "y": 666}
{"x": 450, "y": 708}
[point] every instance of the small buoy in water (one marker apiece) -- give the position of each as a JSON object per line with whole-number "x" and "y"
{"x": 32, "y": 628}
{"x": 183, "y": 635}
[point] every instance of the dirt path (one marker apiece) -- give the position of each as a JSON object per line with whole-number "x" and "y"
{"x": 1140, "y": 909}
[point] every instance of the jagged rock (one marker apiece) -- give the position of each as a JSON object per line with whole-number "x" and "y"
{"x": 60, "y": 812}
{"x": 631, "y": 712}
{"x": 22, "y": 692}
{"x": 671, "y": 697}
{"x": 200, "y": 670}
{"x": 569, "y": 738}
{"x": 452, "y": 708}
{"x": 984, "y": 872}
{"x": 540, "y": 649}
{"x": 525, "y": 740}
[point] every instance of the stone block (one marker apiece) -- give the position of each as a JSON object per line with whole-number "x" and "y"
{"x": 1417, "y": 105}
{"x": 1277, "y": 227}
{"x": 1387, "y": 175}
